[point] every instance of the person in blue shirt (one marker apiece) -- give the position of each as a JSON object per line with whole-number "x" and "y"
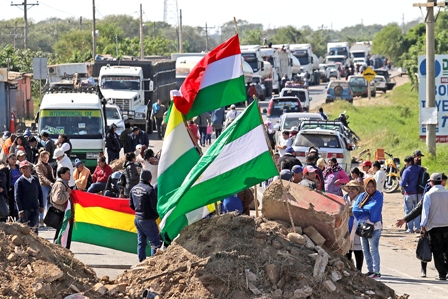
{"x": 411, "y": 198}
{"x": 368, "y": 208}
{"x": 231, "y": 204}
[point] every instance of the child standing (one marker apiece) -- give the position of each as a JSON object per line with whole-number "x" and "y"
{"x": 208, "y": 137}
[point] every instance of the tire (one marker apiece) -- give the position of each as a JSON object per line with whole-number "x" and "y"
{"x": 393, "y": 186}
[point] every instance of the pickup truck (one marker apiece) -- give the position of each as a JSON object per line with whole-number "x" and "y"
{"x": 390, "y": 82}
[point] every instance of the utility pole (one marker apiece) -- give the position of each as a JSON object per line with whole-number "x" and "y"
{"x": 25, "y": 18}
{"x": 80, "y": 23}
{"x": 15, "y": 35}
{"x": 94, "y": 31}
{"x": 142, "y": 47}
{"x": 402, "y": 24}
{"x": 180, "y": 31}
{"x": 116, "y": 44}
{"x": 206, "y": 35}
{"x": 430, "y": 74}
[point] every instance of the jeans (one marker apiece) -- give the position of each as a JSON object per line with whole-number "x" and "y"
{"x": 45, "y": 191}
{"x": 159, "y": 126}
{"x": 203, "y": 132}
{"x": 109, "y": 193}
{"x": 96, "y": 187}
{"x": 218, "y": 132}
{"x": 439, "y": 245}
{"x": 146, "y": 230}
{"x": 410, "y": 202}
{"x": 371, "y": 251}
{"x": 111, "y": 155}
{"x": 31, "y": 217}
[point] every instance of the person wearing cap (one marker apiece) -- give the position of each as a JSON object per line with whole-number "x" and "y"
{"x": 59, "y": 196}
{"x": 434, "y": 221}
{"x": 368, "y": 208}
{"x": 48, "y": 144}
{"x": 334, "y": 177}
{"x": 139, "y": 136}
{"x": 46, "y": 179}
{"x": 143, "y": 200}
{"x": 409, "y": 183}
{"x": 366, "y": 166}
{"x": 287, "y": 142}
{"x": 63, "y": 160}
{"x": 353, "y": 189}
{"x": 100, "y": 176}
{"x": 311, "y": 161}
{"x": 81, "y": 175}
{"x": 28, "y": 196}
{"x": 418, "y": 157}
{"x": 203, "y": 120}
{"x": 64, "y": 143}
{"x": 309, "y": 177}
{"x": 21, "y": 156}
{"x": 289, "y": 158}
{"x": 231, "y": 115}
{"x": 158, "y": 109}
{"x": 218, "y": 118}
{"x": 113, "y": 144}
{"x": 297, "y": 174}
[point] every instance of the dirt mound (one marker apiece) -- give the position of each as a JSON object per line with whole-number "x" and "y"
{"x": 32, "y": 267}
{"x": 241, "y": 257}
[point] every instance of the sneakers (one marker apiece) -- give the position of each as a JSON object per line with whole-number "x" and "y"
{"x": 369, "y": 273}
{"x": 423, "y": 273}
{"x": 376, "y": 275}
{"x": 408, "y": 231}
{"x": 440, "y": 278}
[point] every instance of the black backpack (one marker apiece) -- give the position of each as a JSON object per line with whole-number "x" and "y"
{"x": 423, "y": 178}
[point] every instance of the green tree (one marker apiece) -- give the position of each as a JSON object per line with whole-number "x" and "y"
{"x": 252, "y": 37}
{"x": 287, "y": 35}
{"x": 389, "y": 42}
{"x": 73, "y": 46}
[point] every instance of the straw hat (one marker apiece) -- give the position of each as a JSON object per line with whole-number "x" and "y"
{"x": 353, "y": 183}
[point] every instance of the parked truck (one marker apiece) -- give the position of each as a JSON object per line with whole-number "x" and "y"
{"x": 280, "y": 64}
{"x": 253, "y": 56}
{"x": 135, "y": 85}
{"x": 307, "y": 59}
{"x": 338, "y": 52}
{"x": 361, "y": 50}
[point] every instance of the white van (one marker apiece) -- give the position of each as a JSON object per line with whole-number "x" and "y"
{"x": 301, "y": 93}
{"x": 78, "y": 113}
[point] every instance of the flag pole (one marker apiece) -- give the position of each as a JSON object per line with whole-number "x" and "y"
{"x": 236, "y": 25}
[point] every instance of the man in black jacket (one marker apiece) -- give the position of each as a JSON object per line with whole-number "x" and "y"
{"x": 139, "y": 136}
{"x": 113, "y": 144}
{"x": 143, "y": 200}
{"x": 289, "y": 158}
{"x": 48, "y": 144}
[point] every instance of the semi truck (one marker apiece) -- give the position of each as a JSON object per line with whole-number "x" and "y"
{"x": 361, "y": 50}
{"x": 338, "y": 52}
{"x": 253, "y": 56}
{"x": 280, "y": 63}
{"x": 307, "y": 59}
{"x": 135, "y": 85}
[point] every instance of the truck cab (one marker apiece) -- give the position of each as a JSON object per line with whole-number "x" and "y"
{"x": 123, "y": 86}
{"x": 307, "y": 60}
{"x": 338, "y": 52}
{"x": 78, "y": 113}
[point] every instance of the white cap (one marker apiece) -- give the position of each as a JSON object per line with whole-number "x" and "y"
{"x": 59, "y": 152}
{"x": 232, "y": 106}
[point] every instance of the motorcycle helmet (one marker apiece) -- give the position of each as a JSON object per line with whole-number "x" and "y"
{"x": 116, "y": 175}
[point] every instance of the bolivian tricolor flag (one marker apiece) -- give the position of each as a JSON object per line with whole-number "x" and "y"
{"x": 104, "y": 221}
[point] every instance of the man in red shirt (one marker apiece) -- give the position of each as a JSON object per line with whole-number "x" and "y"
{"x": 100, "y": 176}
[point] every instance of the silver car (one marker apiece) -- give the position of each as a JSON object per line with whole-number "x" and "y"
{"x": 289, "y": 120}
{"x": 329, "y": 142}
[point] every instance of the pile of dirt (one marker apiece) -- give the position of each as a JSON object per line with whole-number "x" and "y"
{"x": 240, "y": 257}
{"x": 32, "y": 267}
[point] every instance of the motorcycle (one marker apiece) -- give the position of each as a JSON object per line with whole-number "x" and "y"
{"x": 348, "y": 132}
{"x": 392, "y": 169}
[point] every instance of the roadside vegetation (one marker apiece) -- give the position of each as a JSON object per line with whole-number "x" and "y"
{"x": 392, "y": 124}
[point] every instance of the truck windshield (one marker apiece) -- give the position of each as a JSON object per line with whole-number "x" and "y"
{"x": 358, "y": 54}
{"x": 252, "y": 60}
{"x": 302, "y": 56}
{"x": 120, "y": 82}
{"x": 77, "y": 124}
{"x": 336, "y": 59}
{"x": 338, "y": 51}
{"x": 112, "y": 113}
{"x": 269, "y": 59}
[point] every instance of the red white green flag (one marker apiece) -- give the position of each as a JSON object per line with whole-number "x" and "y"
{"x": 216, "y": 81}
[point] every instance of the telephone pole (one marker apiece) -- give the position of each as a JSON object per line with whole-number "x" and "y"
{"x": 94, "y": 31}
{"x": 142, "y": 47}
{"x": 180, "y": 31}
{"x": 15, "y": 35}
{"x": 206, "y": 35}
{"x": 25, "y": 17}
{"x": 430, "y": 72}
{"x": 80, "y": 23}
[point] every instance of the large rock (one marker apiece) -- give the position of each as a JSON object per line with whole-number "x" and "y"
{"x": 327, "y": 213}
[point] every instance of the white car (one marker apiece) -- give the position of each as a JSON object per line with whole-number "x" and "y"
{"x": 330, "y": 143}
{"x": 332, "y": 71}
{"x": 301, "y": 93}
{"x": 114, "y": 116}
{"x": 359, "y": 61}
{"x": 380, "y": 83}
{"x": 289, "y": 120}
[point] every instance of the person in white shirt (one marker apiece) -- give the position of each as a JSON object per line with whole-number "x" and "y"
{"x": 231, "y": 115}
{"x": 287, "y": 142}
{"x": 62, "y": 160}
{"x": 379, "y": 176}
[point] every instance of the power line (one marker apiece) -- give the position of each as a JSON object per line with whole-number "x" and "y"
{"x": 56, "y": 9}
{"x": 25, "y": 17}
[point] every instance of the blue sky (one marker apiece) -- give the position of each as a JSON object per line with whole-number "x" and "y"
{"x": 327, "y": 13}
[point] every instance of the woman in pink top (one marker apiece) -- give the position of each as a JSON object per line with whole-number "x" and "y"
{"x": 208, "y": 137}
{"x": 334, "y": 177}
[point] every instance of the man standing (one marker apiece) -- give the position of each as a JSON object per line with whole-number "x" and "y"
{"x": 143, "y": 200}
{"x": 287, "y": 142}
{"x": 28, "y": 196}
{"x": 203, "y": 120}
{"x": 125, "y": 138}
{"x": 411, "y": 198}
{"x": 113, "y": 144}
{"x": 289, "y": 158}
{"x": 418, "y": 157}
{"x": 48, "y": 144}
{"x": 297, "y": 174}
{"x": 63, "y": 160}
{"x": 231, "y": 115}
{"x": 218, "y": 117}
{"x": 309, "y": 177}
{"x": 158, "y": 109}
{"x": 139, "y": 137}
{"x": 435, "y": 222}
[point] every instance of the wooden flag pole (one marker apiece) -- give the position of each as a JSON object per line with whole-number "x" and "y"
{"x": 236, "y": 25}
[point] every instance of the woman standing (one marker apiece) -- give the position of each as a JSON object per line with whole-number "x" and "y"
{"x": 131, "y": 173}
{"x": 14, "y": 175}
{"x": 59, "y": 196}
{"x": 357, "y": 175}
{"x": 334, "y": 177}
{"x": 354, "y": 189}
{"x": 46, "y": 180}
{"x": 151, "y": 163}
{"x": 368, "y": 208}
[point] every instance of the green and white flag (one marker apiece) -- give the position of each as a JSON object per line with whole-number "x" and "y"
{"x": 237, "y": 160}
